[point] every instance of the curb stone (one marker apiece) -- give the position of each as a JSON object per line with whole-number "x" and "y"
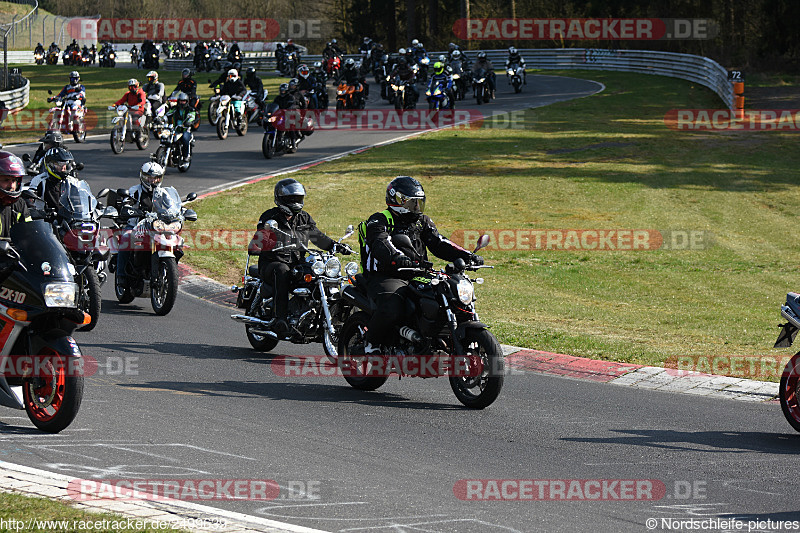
{"x": 524, "y": 359}
{"x": 40, "y": 483}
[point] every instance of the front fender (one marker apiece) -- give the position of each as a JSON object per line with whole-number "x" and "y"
{"x": 461, "y": 330}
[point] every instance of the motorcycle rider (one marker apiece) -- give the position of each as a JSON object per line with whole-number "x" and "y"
{"x": 39, "y": 50}
{"x": 407, "y": 74}
{"x": 200, "y": 50}
{"x": 135, "y": 55}
{"x": 51, "y": 139}
{"x": 307, "y": 82}
{"x": 274, "y": 267}
{"x": 134, "y": 97}
{"x": 13, "y": 208}
{"x": 352, "y": 77}
{"x": 189, "y": 86}
{"x": 150, "y": 177}
{"x": 285, "y": 99}
{"x": 332, "y": 50}
{"x": 59, "y": 165}
{"x": 75, "y": 92}
{"x": 183, "y": 116}
{"x": 405, "y": 201}
{"x": 440, "y": 77}
{"x": 235, "y": 53}
{"x": 254, "y": 83}
{"x": 233, "y": 85}
{"x": 483, "y": 63}
{"x": 515, "y": 58}
{"x": 279, "y": 55}
{"x": 154, "y": 90}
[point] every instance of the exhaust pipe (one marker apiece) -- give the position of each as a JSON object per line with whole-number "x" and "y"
{"x": 262, "y": 325}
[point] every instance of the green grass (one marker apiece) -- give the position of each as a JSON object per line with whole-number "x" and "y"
{"x": 104, "y": 86}
{"x": 24, "y": 508}
{"x": 634, "y": 306}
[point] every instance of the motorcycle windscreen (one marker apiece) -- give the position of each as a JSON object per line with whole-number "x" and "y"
{"x": 167, "y": 203}
{"x": 77, "y": 203}
{"x": 40, "y": 251}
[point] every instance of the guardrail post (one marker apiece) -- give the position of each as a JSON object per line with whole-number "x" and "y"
{"x": 13, "y": 30}
{"x": 5, "y": 61}
{"x": 44, "y": 33}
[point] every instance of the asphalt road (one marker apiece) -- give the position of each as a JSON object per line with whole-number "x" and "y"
{"x": 184, "y": 396}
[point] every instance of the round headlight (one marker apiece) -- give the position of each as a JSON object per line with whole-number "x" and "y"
{"x": 318, "y": 268}
{"x": 465, "y": 291}
{"x": 159, "y": 225}
{"x": 351, "y": 268}
{"x": 333, "y": 268}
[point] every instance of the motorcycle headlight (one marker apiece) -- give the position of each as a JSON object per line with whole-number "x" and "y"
{"x": 165, "y": 133}
{"x": 351, "y": 268}
{"x": 394, "y": 87}
{"x": 456, "y": 76}
{"x": 510, "y": 72}
{"x": 465, "y": 291}
{"x": 481, "y": 80}
{"x": 60, "y": 294}
{"x": 160, "y": 226}
{"x": 318, "y": 268}
{"x": 333, "y": 268}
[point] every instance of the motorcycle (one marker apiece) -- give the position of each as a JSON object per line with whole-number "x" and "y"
{"x": 440, "y": 321}
{"x": 170, "y": 152}
{"x": 214, "y": 59}
{"x": 402, "y": 95}
{"x": 135, "y": 57}
{"x": 251, "y": 107}
{"x": 422, "y": 63}
{"x": 315, "y": 311}
{"x": 349, "y": 97}
{"x": 439, "y": 98}
{"x": 37, "y": 308}
{"x": 66, "y": 118}
{"x": 52, "y": 57}
{"x": 461, "y": 79}
{"x": 289, "y": 64}
{"x": 155, "y": 244}
{"x": 38, "y": 58}
{"x": 277, "y": 139}
{"x": 333, "y": 67}
{"x": 108, "y": 58}
{"x": 127, "y": 130}
{"x": 150, "y": 59}
{"x": 76, "y": 224}
{"x": 480, "y": 86}
{"x": 514, "y": 72}
{"x": 789, "y": 389}
{"x": 213, "y": 107}
{"x": 231, "y": 113}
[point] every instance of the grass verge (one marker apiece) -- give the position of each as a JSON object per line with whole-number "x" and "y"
{"x": 41, "y": 515}
{"x": 603, "y": 162}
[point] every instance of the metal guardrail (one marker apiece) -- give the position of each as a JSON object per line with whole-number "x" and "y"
{"x": 17, "y": 98}
{"x": 697, "y": 69}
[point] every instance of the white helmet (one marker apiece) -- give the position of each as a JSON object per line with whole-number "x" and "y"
{"x": 402, "y": 51}
{"x": 415, "y": 42}
{"x": 152, "y": 74}
{"x": 233, "y": 74}
{"x": 151, "y": 175}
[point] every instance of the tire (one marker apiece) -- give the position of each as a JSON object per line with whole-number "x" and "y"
{"x": 212, "y": 110}
{"x": 124, "y": 296}
{"x": 266, "y": 147}
{"x": 291, "y": 146}
{"x": 163, "y": 295}
{"x": 80, "y": 135}
{"x": 789, "y": 392}
{"x": 479, "y": 99}
{"x": 351, "y": 342}
{"x": 222, "y": 126}
{"x": 517, "y": 88}
{"x": 117, "y": 142}
{"x": 143, "y": 138}
{"x": 398, "y": 103}
{"x": 161, "y": 156}
{"x": 53, "y": 402}
{"x": 242, "y": 128}
{"x": 480, "y": 391}
{"x": 184, "y": 166}
{"x": 89, "y": 300}
{"x": 261, "y": 343}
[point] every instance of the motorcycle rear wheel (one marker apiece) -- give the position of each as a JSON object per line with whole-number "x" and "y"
{"x": 52, "y": 403}
{"x": 351, "y": 358}
{"x": 789, "y": 391}
{"x": 165, "y": 291}
{"x": 480, "y": 391}
{"x": 241, "y": 125}
{"x": 89, "y": 300}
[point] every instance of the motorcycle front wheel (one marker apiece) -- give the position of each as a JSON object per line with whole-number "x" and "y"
{"x": 143, "y": 138}
{"x": 477, "y": 392}
{"x": 222, "y": 125}
{"x": 89, "y": 300}
{"x": 79, "y": 136}
{"x": 789, "y": 392}
{"x": 212, "y": 112}
{"x": 164, "y": 285}
{"x": 353, "y": 363}
{"x": 117, "y": 141}
{"x": 267, "y": 147}
{"x": 53, "y": 401}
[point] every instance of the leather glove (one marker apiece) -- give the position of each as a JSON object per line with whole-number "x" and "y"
{"x": 403, "y": 262}
{"x": 477, "y": 260}
{"x": 342, "y": 248}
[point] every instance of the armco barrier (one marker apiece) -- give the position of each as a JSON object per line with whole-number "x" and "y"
{"x": 17, "y": 98}
{"x": 697, "y": 69}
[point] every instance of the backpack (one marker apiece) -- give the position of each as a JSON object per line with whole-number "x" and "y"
{"x": 362, "y": 237}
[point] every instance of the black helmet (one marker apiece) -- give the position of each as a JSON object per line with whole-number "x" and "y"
{"x": 53, "y": 138}
{"x": 59, "y": 163}
{"x": 251, "y": 72}
{"x": 349, "y": 63}
{"x": 284, "y": 88}
{"x": 11, "y": 166}
{"x": 402, "y": 61}
{"x": 405, "y": 197}
{"x": 293, "y": 84}
{"x": 186, "y": 73}
{"x": 481, "y": 55}
{"x": 289, "y": 196}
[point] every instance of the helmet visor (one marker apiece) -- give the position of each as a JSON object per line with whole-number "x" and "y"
{"x": 413, "y": 204}
{"x": 153, "y": 180}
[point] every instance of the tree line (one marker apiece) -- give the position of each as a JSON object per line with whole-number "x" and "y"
{"x": 751, "y": 34}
